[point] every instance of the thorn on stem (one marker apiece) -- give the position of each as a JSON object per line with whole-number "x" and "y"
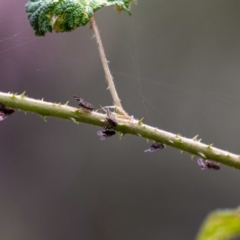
{"x": 140, "y": 121}
{"x": 23, "y": 95}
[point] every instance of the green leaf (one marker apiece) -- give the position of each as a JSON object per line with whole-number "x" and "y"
{"x": 66, "y": 15}
{"x": 221, "y": 225}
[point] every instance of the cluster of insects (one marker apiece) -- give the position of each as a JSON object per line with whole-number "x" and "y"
{"x": 202, "y": 163}
{"x": 110, "y": 122}
{"x": 108, "y": 131}
{"x": 5, "y": 111}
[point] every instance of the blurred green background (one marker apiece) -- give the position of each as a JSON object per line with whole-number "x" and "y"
{"x": 175, "y": 63}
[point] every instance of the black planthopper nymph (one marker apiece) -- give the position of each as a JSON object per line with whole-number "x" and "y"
{"x": 206, "y": 164}
{"x": 104, "y": 134}
{"x": 5, "y": 111}
{"x": 84, "y": 104}
{"x": 109, "y": 124}
{"x": 154, "y": 147}
{"x": 110, "y": 120}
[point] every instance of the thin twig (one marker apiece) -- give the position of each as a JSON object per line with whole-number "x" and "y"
{"x": 108, "y": 75}
{"x": 124, "y": 126}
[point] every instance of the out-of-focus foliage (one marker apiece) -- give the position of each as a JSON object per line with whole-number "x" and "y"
{"x": 221, "y": 225}
{"x": 66, "y": 15}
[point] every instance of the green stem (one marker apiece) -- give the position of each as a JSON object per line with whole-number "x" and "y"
{"x": 108, "y": 75}
{"x": 135, "y": 127}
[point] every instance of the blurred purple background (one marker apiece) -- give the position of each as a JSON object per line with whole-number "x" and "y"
{"x": 175, "y": 63}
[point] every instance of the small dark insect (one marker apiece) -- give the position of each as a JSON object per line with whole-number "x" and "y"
{"x": 84, "y": 104}
{"x": 154, "y": 147}
{"x": 103, "y": 134}
{"x": 206, "y": 164}
{"x": 5, "y": 111}
{"x": 110, "y": 120}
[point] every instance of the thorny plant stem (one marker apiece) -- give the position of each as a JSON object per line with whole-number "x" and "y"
{"x": 133, "y": 126}
{"x": 108, "y": 75}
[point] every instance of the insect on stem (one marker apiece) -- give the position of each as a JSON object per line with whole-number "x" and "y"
{"x": 104, "y": 134}
{"x": 84, "y": 104}
{"x": 206, "y": 164}
{"x": 5, "y": 111}
{"x": 154, "y": 147}
{"x": 110, "y": 120}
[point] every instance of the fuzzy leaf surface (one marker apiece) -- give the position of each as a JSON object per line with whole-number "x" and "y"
{"x": 66, "y": 15}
